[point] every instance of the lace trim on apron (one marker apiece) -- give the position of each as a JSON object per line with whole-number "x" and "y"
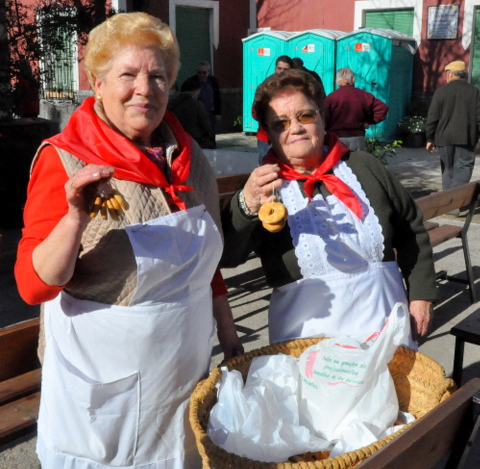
{"x": 326, "y": 235}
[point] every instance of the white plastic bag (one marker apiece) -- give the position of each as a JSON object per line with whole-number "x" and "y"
{"x": 261, "y": 419}
{"x": 345, "y": 381}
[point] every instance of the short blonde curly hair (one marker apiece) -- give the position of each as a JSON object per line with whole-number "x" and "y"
{"x": 126, "y": 29}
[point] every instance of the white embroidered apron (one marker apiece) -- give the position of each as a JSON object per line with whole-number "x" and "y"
{"x": 117, "y": 380}
{"x": 346, "y": 288}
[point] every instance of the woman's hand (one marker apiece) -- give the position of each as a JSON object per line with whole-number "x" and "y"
{"x": 421, "y": 317}
{"x": 260, "y": 186}
{"x": 83, "y": 187}
{"x": 54, "y": 258}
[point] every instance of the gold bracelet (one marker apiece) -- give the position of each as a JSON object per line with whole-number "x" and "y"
{"x": 243, "y": 205}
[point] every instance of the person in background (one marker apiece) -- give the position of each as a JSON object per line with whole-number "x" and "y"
{"x": 299, "y": 64}
{"x": 284, "y": 62}
{"x": 121, "y": 244}
{"x": 349, "y": 111}
{"x": 453, "y": 123}
{"x": 353, "y": 244}
{"x": 209, "y": 93}
{"x": 192, "y": 114}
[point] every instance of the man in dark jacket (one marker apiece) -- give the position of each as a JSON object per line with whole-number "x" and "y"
{"x": 192, "y": 114}
{"x": 209, "y": 93}
{"x": 453, "y": 125}
{"x": 349, "y": 111}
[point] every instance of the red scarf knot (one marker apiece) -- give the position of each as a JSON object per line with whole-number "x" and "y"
{"x": 334, "y": 184}
{"x": 91, "y": 140}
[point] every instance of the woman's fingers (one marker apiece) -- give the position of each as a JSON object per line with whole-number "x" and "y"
{"x": 87, "y": 175}
{"x": 75, "y": 186}
{"x": 260, "y": 187}
{"x": 421, "y": 312}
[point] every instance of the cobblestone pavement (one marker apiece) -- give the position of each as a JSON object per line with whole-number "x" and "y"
{"x": 249, "y": 296}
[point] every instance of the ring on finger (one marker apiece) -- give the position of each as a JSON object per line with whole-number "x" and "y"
{"x": 72, "y": 186}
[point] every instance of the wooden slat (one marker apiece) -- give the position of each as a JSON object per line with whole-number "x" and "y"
{"x": 443, "y": 233}
{"x": 20, "y": 386}
{"x": 18, "y": 417}
{"x": 430, "y": 225}
{"x": 228, "y": 185}
{"x": 431, "y": 437}
{"x": 232, "y": 183}
{"x": 440, "y": 203}
{"x": 18, "y": 349}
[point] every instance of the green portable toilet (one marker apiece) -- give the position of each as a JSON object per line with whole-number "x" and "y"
{"x": 260, "y": 52}
{"x": 382, "y": 61}
{"x": 317, "y": 49}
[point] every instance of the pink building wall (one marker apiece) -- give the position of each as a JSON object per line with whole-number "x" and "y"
{"x": 300, "y": 15}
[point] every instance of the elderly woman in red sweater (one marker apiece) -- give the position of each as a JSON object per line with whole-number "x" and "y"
{"x": 127, "y": 292}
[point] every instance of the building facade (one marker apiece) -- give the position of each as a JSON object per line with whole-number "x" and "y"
{"x": 212, "y": 30}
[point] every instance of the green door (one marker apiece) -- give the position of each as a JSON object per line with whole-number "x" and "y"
{"x": 193, "y": 35}
{"x": 398, "y": 20}
{"x": 475, "y": 54}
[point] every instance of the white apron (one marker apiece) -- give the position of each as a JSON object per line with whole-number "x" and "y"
{"x": 346, "y": 288}
{"x": 117, "y": 380}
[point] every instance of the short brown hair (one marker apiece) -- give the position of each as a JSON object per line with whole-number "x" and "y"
{"x": 289, "y": 80}
{"x": 126, "y": 29}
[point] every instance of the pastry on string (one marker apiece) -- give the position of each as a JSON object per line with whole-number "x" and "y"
{"x": 273, "y": 215}
{"x": 109, "y": 203}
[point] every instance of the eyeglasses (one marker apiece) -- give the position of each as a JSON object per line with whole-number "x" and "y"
{"x": 303, "y": 117}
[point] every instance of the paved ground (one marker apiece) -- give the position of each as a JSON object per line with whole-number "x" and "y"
{"x": 249, "y": 296}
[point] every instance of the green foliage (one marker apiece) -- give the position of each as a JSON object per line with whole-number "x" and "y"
{"x": 25, "y": 47}
{"x": 381, "y": 150}
{"x": 412, "y": 125}
{"x": 237, "y": 123}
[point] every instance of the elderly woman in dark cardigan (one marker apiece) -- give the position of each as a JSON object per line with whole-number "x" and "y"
{"x": 354, "y": 242}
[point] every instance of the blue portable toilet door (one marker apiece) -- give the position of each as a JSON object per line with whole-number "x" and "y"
{"x": 260, "y": 53}
{"x": 315, "y": 53}
{"x": 367, "y": 59}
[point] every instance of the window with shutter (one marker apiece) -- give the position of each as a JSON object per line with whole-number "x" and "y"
{"x": 399, "y": 20}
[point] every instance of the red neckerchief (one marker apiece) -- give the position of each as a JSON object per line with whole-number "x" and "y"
{"x": 91, "y": 140}
{"x": 335, "y": 185}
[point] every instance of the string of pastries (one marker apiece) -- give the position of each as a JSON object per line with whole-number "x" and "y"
{"x": 273, "y": 216}
{"x": 113, "y": 205}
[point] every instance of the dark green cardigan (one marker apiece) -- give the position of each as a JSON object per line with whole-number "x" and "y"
{"x": 400, "y": 219}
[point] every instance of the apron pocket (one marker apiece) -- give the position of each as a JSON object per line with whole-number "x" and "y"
{"x": 85, "y": 413}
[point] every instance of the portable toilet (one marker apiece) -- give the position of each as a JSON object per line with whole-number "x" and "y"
{"x": 260, "y": 52}
{"x": 317, "y": 49}
{"x": 382, "y": 61}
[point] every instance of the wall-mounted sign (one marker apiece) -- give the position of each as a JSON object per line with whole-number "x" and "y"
{"x": 264, "y": 51}
{"x": 362, "y": 46}
{"x": 443, "y": 22}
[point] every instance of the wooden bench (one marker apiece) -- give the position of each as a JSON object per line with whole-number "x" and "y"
{"x": 228, "y": 185}
{"x": 19, "y": 380}
{"x": 447, "y": 431}
{"x": 440, "y": 203}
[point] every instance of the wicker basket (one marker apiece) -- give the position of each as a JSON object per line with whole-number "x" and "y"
{"x": 420, "y": 383}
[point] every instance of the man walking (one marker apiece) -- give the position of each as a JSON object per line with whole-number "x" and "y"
{"x": 453, "y": 125}
{"x": 349, "y": 111}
